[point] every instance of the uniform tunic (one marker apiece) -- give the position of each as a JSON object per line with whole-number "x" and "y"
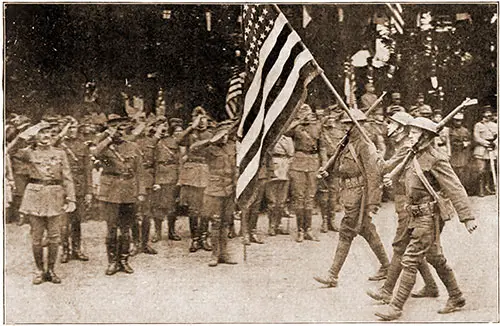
{"x": 483, "y": 133}
{"x": 166, "y": 172}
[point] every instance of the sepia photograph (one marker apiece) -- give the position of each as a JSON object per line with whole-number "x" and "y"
{"x": 250, "y": 163}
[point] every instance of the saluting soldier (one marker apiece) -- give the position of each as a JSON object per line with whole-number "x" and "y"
{"x": 79, "y": 160}
{"x": 168, "y": 154}
{"x": 429, "y": 172}
{"x": 331, "y": 134}
{"x": 146, "y": 142}
{"x": 49, "y": 193}
{"x": 361, "y": 184}
{"x": 219, "y": 195}
{"x": 305, "y": 132}
{"x": 193, "y": 178}
{"x": 122, "y": 187}
{"x": 460, "y": 140}
{"x": 398, "y": 135}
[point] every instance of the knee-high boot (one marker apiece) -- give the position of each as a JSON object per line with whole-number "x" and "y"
{"x": 158, "y": 224}
{"x": 51, "y": 275}
{"x": 308, "y": 226}
{"x": 38, "y": 256}
{"x": 195, "y": 236}
{"x": 76, "y": 240}
{"x": 215, "y": 239}
{"x": 65, "y": 240}
{"x": 124, "y": 244}
{"x": 172, "y": 235}
{"x": 225, "y": 256}
{"x": 341, "y": 253}
{"x": 112, "y": 250}
{"x": 299, "y": 212}
{"x": 204, "y": 244}
{"x": 145, "y": 247}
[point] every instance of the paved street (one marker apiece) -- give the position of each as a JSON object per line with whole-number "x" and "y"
{"x": 274, "y": 285}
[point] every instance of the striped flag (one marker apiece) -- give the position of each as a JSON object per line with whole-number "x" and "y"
{"x": 278, "y": 70}
{"x": 396, "y": 16}
{"x": 234, "y": 93}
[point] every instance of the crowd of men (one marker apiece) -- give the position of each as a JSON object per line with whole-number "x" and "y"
{"x": 129, "y": 170}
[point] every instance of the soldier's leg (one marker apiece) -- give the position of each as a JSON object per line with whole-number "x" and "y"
{"x": 420, "y": 241}
{"x": 54, "y": 239}
{"x": 311, "y": 189}
{"x": 135, "y": 228}
{"x": 110, "y": 211}
{"x": 333, "y": 203}
{"x": 171, "y": 195}
{"x": 254, "y": 213}
{"x": 369, "y": 232}
{"x": 127, "y": 217}
{"x": 187, "y": 192}
{"x": 158, "y": 220}
{"x": 65, "y": 230}
{"x": 352, "y": 200}
{"x": 212, "y": 209}
{"x": 281, "y": 201}
{"x": 481, "y": 168}
{"x": 323, "y": 202}
{"x": 226, "y": 209}
{"x": 297, "y": 185}
{"x": 76, "y": 233}
{"x": 146, "y": 224}
{"x": 456, "y": 300}
{"x": 37, "y": 228}
{"x": 271, "y": 199}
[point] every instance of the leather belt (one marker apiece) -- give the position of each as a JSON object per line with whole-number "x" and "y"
{"x": 353, "y": 182}
{"x": 46, "y": 182}
{"x": 422, "y": 209}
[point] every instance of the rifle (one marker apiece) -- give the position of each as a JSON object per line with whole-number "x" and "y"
{"x": 422, "y": 141}
{"x": 344, "y": 141}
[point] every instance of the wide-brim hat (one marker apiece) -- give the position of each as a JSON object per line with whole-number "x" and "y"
{"x": 116, "y": 119}
{"x": 424, "y": 124}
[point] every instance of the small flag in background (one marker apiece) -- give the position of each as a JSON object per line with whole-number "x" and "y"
{"x": 278, "y": 70}
{"x": 396, "y": 16}
{"x": 234, "y": 93}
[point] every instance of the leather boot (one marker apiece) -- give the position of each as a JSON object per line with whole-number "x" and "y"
{"x": 272, "y": 222}
{"x": 195, "y": 244}
{"x": 171, "y": 228}
{"x": 225, "y": 257}
{"x": 204, "y": 244}
{"x": 65, "y": 253}
{"x": 378, "y": 249}
{"x": 307, "y": 226}
{"x": 231, "y": 232}
{"x": 51, "y": 275}
{"x": 323, "y": 205}
{"x": 481, "y": 185}
{"x": 113, "y": 265}
{"x": 430, "y": 289}
{"x": 456, "y": 300}
{"x": 279, "y": 228}
{"x": 300, "y": 222}
{"x": 254, "y": 237}
{"x": 380, "y": 295}
{"x": 331, "y": 222}
{"x": 39, "y": 273}
{"x": 215, "y": 239}
{"x": 76, "y": 241}
{"x": 124, "y": 241}
{"x": 145, "y": 247}
{"x": 157, "y": 234}
{"x": 331, "y": 280}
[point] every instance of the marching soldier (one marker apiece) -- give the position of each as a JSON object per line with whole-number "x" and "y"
{"x": 460, "y": 140}
{"x": 167, "y": 155}
{"x": 146, "y": 142}
{"x": 122, "y": 187}
{"x": 49, "y": 193}
{"x": 78, "y": 153}
{"x": 429, "y": 172}
{"x": 485, "y": 136}
{"x": 193, "y": 178}
{"x": 305, "y": 132}
{"x": 219, "y": 195}
{"x": 398, "y": 134}
{"x": 331, "y": 135}
{"x": 360, "y": 181}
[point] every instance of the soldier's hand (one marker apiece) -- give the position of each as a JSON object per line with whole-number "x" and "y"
{"x": 70, "y": 207}
{"x": 470, "y": 225}
{"x": 156, "y": 187}
{"x": 466, "y": 144}
{"x": 387, "y": 180}
{"x": 322, "y": 173}
{"x": 141, "y": 198}
{"x": 373, "y": 209}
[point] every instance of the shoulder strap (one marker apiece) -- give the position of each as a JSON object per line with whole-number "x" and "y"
{"x": 355, "y": 157}
{"x": 425, "y": 181}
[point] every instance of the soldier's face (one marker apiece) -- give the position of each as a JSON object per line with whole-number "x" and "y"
{"x": 414, "y": 135}
{"x": 457, "y": 122}
{"x": 72, "y": 132}
{"x": 177, "y": 131}
{"x": 44, "y": 136}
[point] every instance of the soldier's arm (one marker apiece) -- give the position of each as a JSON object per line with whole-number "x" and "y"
{"x": 101, "y": 146}
{"x": 369, "y": 159}
{"x": 68, "y": 183}
{"x": 381, "y": 145}
{"x": 450, "y": 184}
{"x": 88, "y": 166}
{"x": 140, "y": 174}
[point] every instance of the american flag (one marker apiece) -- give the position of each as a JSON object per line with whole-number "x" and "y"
{"x": 278, "y": 70}
{"x": 234, "y": 92}
{"x": 396, "y": 16}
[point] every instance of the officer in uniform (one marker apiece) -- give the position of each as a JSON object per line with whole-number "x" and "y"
{"x": 395, "y": 105}
{"x": 146, "y": 142}
{"x": 360, "y": 181}
{"x": 193, "y": 178}
{"x": 429, "y": 169}
{"x": 398, "y": 135}
{"x": 219, "y": 195}
{"x": 485, "y": 137}
{"x": 305, "y": 132}
{"x": 167, "y": 155}
{"x": 49, "y": 193}
{"x": 331, "y": 134}
{"x": 122, "y": 187}
{"x": 460, "y": 140}
{"x": 276, "y": 191}
{"x": 78, "y": 154}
